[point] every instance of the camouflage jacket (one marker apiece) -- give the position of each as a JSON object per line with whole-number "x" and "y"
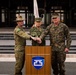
{"x": 20, "y": 36}
{"x": 36, "y": 32}
{"x": 58, "y": 34}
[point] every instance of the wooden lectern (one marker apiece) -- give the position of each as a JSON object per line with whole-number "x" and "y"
{"x": 35, "y": 51}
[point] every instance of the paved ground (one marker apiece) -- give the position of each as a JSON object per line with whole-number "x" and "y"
{"x": 7, "y": 68}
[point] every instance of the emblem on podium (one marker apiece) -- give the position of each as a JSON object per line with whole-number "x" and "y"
{"x": 38, "y": 62}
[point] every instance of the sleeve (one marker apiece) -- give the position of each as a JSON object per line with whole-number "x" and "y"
{"x": 68, "y": 37}
{"x": 45, "y": 32}
{"x": 22, "y": 34}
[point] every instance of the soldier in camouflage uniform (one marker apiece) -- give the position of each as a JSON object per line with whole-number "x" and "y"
{"x": 20, "y": 36}
{"x": 58, "y": 33}
{"x": 36, "y": 31}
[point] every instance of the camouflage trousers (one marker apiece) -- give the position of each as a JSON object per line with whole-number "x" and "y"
{"x": 58, "y": 59}
{"x": 20, "y": 59}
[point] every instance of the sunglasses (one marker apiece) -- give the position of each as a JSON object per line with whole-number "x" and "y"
{"x": 54, "y": 18}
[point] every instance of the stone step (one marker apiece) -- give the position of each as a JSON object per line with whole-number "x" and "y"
{"x": 10, "y": 49}
{"x": 11, "y": 58}
{"x": 10, "y": 36}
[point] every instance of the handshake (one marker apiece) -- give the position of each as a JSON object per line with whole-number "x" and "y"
{"x": 36, "y": 39}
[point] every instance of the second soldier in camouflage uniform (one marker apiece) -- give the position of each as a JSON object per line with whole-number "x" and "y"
{"x": 36, "y": 30}
{"x": 20, "y": 36}
{"x": 58, "y": 33}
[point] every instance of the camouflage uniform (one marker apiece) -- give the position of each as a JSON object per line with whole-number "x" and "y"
{"x": 57, "y": 39}
{"x": 36, "y": 32}
{"x": 19, "y": 36}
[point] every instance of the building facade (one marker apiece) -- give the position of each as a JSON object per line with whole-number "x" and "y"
{"x": 10, "y": 8}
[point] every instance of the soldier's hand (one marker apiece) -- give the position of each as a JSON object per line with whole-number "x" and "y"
{"x": 66, "y": 50}
{"x": 38, "y": 40}
{"x": 33, "y": 38}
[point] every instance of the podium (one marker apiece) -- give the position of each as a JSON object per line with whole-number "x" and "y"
{"x": 37, "y": 60}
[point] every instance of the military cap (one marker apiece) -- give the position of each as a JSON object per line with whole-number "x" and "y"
{"x": 38, "y": 19}
{"x": 55, "y": 15}
{"x": 19, "y": 18}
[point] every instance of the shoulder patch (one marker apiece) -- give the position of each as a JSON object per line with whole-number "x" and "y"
{"x": 17, "y": 30}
